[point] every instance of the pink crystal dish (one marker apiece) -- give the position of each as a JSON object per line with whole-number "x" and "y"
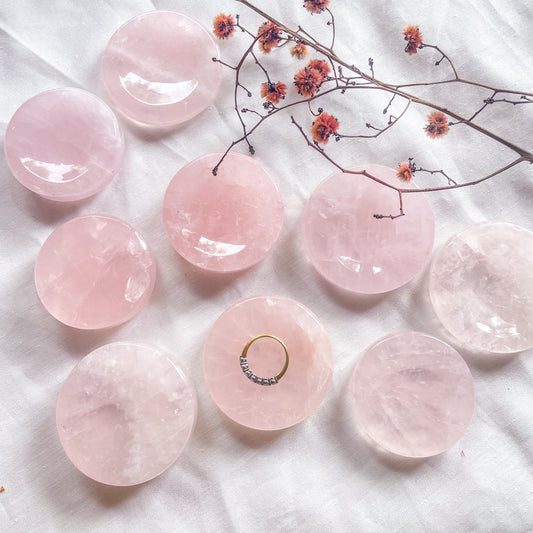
{"x": 125, "y": 413}
{"x": 481, "y": 287}
{"x": 308, "y": 375}
{"x": 412, "y": 394}
{"x": 158, "y": 68}
{"x": 227, "y": 222}
{"x": 64, "y": 144}
{"x": 94, "y": 271}
{"x": 354, "y": 250}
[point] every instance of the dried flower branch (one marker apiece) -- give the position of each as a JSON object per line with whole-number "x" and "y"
{"x": 328, "y": 73}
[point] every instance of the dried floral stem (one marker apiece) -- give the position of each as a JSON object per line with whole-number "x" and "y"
{"x": 359, "y": 80}
{"x": 468, "y": 183}
{"x": 395, "y": 89}
{"x": 334, "y": 163}
{"x": 400, "y": 190}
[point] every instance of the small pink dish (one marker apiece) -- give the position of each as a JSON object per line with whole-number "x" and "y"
{"x": 95, "y": 271}
{"x": 64, "y": 144}
{"x": 158, "y": 69}
{"x": 125, "y": 413}
{"x": 288, "y": 367}
{"x": 412, "y": 394}
{"x": 353, "y": 249}
{"x": 223, "y": 223}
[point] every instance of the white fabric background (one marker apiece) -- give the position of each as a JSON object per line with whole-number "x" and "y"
{"x": 320, "y": 475}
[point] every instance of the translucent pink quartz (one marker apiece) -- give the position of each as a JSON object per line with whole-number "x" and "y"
{"x": 64, "y": 144}
{"x": 95, "y": 271}
{"x": 227, "y": 222}
{"x": 158, "y": 68}
{"x": 354, "y": 250}
{"x": 413, "y": 394}
{"x": 481, "y": 286}
{"x": 298, "y": 393}
{"x": 125, "y": 413}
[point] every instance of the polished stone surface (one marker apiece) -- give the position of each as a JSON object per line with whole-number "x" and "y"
{"x": 158, "y": 68}
{"x": 125, "y": 413}
{"x": 227, "y": 222}
{"x": 357, "y": 252}
{"x": 481, "y": 287}
{"x": 412, "y": 394}
{"x": 303, "y": 387}
{"x": 64, "y": 144}
{"x": 95, "y": 271}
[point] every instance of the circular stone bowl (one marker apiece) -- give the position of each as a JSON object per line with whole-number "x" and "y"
{"x": 64, "y": 144}
{"x": 159, "y": 71}
{"x": 125, "y": 413}
{"x": 223, "y": 223}
{"x": 412, "y": 394}
{"x": 354, "y": 250}
{"x": 94, "y": 272}
{"x": 301, "y": 389}
{"x": 481, "y": 287}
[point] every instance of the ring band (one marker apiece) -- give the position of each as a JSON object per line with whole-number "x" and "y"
{"x": 248, "y": 372}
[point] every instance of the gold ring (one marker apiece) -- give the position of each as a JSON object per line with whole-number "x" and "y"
{"x": 246, "y": 368}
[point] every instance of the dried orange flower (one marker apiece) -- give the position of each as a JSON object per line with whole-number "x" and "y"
{"x": 299, "y": 50}
{"x": 269, "y": 36}
{"x": 316, "y": 6}
{"x": 323, "y": 127}
{"x": 223, "y": 26}
{"x": 405, "y": 173}
{"x": 273, "y": 92}
{"x": 307, "y": 81}
{"x": 320, "y": 65}
{"x": 413, "y": 37}
{"x": 437, "y": 125}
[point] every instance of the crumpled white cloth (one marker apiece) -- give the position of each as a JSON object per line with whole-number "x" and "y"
{"x": 320, "y": 475}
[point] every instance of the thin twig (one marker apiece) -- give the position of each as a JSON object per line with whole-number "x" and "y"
{"x": 389, "y": 104}
{"x": 450, "y": 180}
{"x": 392, "y": 121}
{"x": 258, "y": 63}
{"x": 437, "y": 63}
{"x": 400, "y": 210}
{"x": 248, "y": 110}
{"x": 332, "y": 24}
{"x": 469, "y": 183}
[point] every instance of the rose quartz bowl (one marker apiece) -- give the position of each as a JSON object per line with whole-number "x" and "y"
{"x": 303, "y": 387}
{"x": 125, "y": 413}
{"x": 223, "y": 223}
{"x": 64, "y": 144}
{"x": 354, "y": 250}
{"x": 158, "y": 68}
{"x": 412, "y": 394}
{"x": 95, "y": 271}
{"x": 481, "y": 287}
